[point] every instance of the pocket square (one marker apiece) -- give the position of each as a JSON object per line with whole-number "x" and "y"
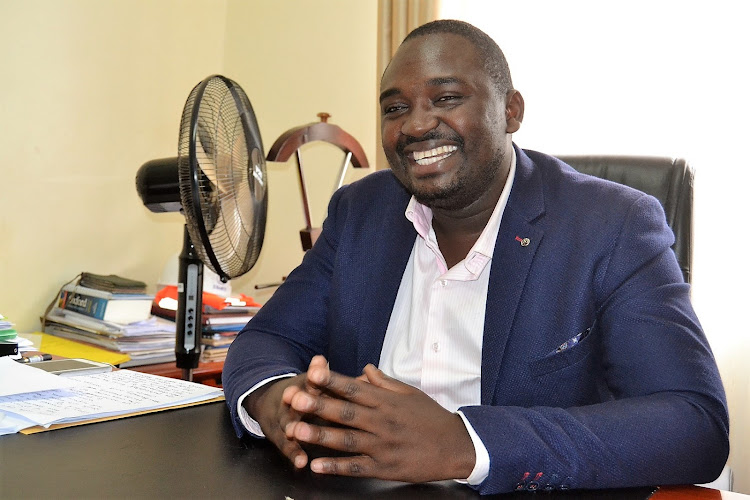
{"x": 573, "y": 341}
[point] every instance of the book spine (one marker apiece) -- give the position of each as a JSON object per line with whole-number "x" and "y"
{"x": 94, "y": 307}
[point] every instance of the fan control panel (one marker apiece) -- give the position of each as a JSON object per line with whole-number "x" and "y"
{"x": 191, "y": 303}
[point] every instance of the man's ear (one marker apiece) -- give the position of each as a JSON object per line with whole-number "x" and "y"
{"x": 513, "y": 111}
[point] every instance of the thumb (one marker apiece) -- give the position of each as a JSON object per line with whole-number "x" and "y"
{"x": 377, "y": 377}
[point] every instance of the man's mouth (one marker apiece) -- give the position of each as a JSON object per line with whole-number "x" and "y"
{"x": 433, "y": 155}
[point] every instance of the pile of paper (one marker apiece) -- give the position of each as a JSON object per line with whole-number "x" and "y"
{"x": 8, "y": 338}
{"x": 33, "y": 397}
{"x": 144, "y": 341}
{"x": 6, "y": 328}
{"x": 221, "y": 320}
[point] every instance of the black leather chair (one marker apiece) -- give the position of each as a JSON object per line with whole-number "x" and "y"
{"x": 668, "y": 180}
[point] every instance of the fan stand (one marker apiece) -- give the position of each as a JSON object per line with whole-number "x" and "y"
{"x": 217, "y": 122}
{"x": 189, "y": 308}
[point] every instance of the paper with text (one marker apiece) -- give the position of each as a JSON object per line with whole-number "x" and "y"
{"x": 99, "y": 395}
{"x": 19, "y": 378}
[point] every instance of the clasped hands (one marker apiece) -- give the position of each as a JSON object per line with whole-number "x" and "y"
{"x": 388, "y": 429}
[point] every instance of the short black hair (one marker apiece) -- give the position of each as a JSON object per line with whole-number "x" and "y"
{"x": 494, "y": 60}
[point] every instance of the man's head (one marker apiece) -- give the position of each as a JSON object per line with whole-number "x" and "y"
{"x": 494, "y": 60}
{"x": 447, "y": 112}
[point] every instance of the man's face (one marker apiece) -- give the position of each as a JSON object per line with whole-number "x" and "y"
{"x": 443, "y": 121}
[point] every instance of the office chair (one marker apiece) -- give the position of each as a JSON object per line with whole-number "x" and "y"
{"x": 668, "y": 180}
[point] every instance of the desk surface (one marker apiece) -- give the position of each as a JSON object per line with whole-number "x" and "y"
{"x": 193, "y": 453}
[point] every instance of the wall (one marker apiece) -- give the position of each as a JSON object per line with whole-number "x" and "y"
{"x": 656, "y": 78}
{"x": 91, "y": 90}
{"x": 296, "y": 59}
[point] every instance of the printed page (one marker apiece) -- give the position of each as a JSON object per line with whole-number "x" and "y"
{"x": 101, "y": 395}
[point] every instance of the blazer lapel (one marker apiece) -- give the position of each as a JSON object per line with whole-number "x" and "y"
{"x": 517, "y": 242}
{"x": 388, "y": 259}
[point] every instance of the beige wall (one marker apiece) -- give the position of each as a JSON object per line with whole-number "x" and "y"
{"x": 90, "y": 90}
{"x": 295, "y": 59}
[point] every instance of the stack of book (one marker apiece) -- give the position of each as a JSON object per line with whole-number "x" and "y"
{"x": 113, "y": 313}
{"x": 222, "y": 319}
{"x": 221, "y": 326}
{"x": 8, "y": 338}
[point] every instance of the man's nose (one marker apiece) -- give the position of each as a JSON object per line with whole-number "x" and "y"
{"x": 418, "y": 122}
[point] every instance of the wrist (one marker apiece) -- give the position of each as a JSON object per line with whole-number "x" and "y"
{"x": 460, "y": 451}
{"x": 482, "y": 457}
{"x": 250, "y": 402}
{"x": 255, "y": 399}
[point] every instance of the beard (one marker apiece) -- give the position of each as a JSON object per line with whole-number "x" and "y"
{"x": 467, "y": 184}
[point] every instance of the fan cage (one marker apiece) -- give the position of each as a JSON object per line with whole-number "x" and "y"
{"x": 222, "y": 176}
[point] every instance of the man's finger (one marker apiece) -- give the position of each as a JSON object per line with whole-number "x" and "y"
{"x": 289, "y": 392}
{"x": 292, "y": 450}
{"x": 350, "y": 466}
{"x": 334, "y": 438}
{"x": 288, "y": 417}
{"x": 336, "y": 411}
{"x": 347, "y": 388}
{"x": 318, "y": 362}
{"x": 376, "y": 377}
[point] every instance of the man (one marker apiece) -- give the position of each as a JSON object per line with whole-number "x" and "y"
{"x": 530, "y": 324}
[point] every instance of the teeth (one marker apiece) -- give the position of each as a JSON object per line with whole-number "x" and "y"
{"x": 433, "y": 155}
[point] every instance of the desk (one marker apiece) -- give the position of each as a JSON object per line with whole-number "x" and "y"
{"x": 152, "y": 456}
{"x": 206, "y": 373}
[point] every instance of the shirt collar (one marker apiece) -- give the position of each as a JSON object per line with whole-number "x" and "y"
{"x": 486, "y": 242}
{"x": 421, "y": 217}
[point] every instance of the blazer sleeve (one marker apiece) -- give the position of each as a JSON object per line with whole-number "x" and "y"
{"x": 290, "y": 328}
{"x": 665, "y": 418}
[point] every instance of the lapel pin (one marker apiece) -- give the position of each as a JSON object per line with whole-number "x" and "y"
{"x": 523, "y": 241}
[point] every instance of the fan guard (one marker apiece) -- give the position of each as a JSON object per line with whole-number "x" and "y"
{"x": 222, "y": 174}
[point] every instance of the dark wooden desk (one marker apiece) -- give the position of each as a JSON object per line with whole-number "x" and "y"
{"x": 696, "y": 493}
{"x": 206, "y": 373}
{"x": 193, "y": 453}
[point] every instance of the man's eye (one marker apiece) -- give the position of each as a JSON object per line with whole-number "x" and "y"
{"x": 393, "y": 109}
{"x": 449, "y": 99}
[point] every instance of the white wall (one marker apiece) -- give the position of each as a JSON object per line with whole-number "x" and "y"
{"x": 656, "y": 78}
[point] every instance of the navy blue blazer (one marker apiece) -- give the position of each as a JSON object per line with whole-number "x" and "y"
{"x": 638, "y": 401}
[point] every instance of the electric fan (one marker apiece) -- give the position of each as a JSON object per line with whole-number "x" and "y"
{"x": 218, "y": 180}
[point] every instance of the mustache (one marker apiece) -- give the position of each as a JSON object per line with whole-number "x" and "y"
{"x": 432, "y": 135}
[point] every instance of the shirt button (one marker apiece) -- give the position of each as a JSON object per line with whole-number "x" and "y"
{"x": 436, "y": 347}
{"x": 443, "y": 282}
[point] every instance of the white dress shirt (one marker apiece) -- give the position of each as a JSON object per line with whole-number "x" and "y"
{"x": 434, "y": 337}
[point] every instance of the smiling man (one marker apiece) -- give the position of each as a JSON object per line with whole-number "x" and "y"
{"x": 481, "y": 312}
